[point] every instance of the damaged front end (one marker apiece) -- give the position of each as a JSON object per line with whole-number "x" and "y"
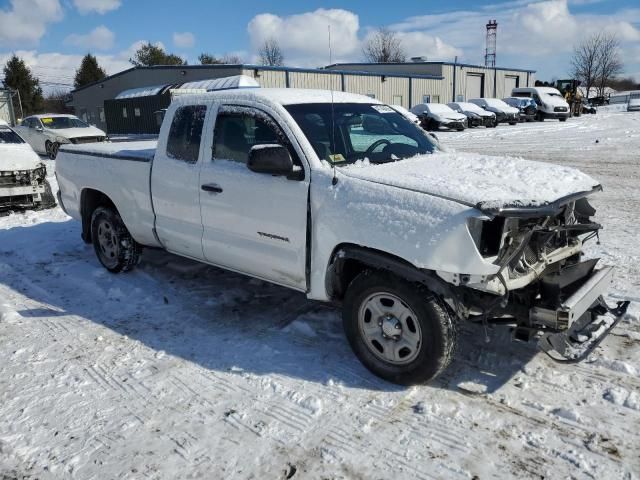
{"x": 22, "y": 188}
{"x": 543, "y": 286}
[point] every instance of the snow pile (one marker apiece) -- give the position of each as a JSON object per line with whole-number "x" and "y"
{"x": 474, "y": 178}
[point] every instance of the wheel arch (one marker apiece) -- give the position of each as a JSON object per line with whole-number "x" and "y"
{"x": 348, "y": 260}
{"x": 90, "y": 199}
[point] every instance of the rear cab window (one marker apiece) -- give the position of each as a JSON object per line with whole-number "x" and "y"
{"x": 185, "y": 134}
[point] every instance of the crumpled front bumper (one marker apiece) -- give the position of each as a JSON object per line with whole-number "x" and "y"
{"x": 583, "y": 319}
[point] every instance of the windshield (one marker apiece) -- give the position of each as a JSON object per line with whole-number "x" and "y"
{"x": 9, "y": 136}
{"x": 375, "y": 132}
{"x": 495, "y": 103}
{"x": 439, "y": 108}
{"x": 471, "y": 107}
{"x": 58, "y": 123}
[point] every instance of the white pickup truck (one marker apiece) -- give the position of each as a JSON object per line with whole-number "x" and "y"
{"x": 341, "y": 197}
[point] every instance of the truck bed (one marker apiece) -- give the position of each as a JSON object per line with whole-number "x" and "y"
{"x": 119, "y": 170}
{"x": 142, "y": 151}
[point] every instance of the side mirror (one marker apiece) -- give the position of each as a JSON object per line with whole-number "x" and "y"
{"x": 39, "y": 129}
{"x": 272, "y": 159}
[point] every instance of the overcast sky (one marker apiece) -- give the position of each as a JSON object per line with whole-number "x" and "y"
{"x": 53, "y": 35}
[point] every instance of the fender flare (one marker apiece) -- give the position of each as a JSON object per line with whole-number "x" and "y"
{"x": 337, "y": 279}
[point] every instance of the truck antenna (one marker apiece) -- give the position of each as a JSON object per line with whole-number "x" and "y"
{"x": 333, "y": 120}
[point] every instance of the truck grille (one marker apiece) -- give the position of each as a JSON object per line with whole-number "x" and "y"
{"x": 7, "y": 180}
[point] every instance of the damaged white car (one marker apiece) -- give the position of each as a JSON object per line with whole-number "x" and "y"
{"x": 341, "y": 197}
{"x": 23, "y": 175}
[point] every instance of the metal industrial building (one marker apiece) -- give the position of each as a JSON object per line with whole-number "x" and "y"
{"x": 405, "y": 84}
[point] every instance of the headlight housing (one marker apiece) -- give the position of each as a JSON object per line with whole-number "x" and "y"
{"x": 62, "y": 140}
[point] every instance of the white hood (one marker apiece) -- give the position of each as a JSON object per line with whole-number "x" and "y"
{"x": 76, "y": 132}
{"x": 14, "y": 156}
{"x": 478, "y": 180}
{"x": 554, "y": 101}
{"x": 452, "y": 117}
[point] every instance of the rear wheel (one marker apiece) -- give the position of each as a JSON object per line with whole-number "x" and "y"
{"x": 400, "y": 331}
{"x": 112, "y": 242}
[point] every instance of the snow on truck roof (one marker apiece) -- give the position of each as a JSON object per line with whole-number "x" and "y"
{"x": 283, "y": 96}
{"x": 198, "y": 86}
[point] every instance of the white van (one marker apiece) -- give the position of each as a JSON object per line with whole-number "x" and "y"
{"x": 551, "y": 103}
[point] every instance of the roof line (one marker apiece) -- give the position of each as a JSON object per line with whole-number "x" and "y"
{"x": 468, "y": 65}
{"x": 250, "y": 66}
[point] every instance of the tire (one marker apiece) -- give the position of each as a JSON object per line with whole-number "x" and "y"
{"x": 513, "y": 123}
{"x": 116, "y": 250}
{"x": 563, "y": 119}
{"x": 427, "y": 340}
{"x": 48, "y": 199}
{"x": 51, "y": 149}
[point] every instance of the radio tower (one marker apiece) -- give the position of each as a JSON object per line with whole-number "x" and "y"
{"x": 490, "y": 52}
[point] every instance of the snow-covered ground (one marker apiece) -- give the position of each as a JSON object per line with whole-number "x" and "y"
{"x": 180, "y": 370}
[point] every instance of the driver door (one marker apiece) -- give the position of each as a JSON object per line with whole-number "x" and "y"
{"x": 253, "y": 223}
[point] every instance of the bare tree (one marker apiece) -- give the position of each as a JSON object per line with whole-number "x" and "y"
{"x": 585, "y": 61}
{"x": 596, "y": 61}
{"x": 227, "y": 58}
{"x": 384, "y": 46}
{"x": 271, "y": 53}
{"x": 609, "y": 61}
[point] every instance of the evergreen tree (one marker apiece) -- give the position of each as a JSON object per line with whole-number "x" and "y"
{"x": 17, "y": 76}
{"x": 148, "y": 55}
{"x": 88, "y": 72}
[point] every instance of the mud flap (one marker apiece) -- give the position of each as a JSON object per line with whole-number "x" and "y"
{"x": 577, "y": 343}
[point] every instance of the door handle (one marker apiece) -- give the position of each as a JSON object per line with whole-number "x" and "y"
{"x": 212, "y": 188}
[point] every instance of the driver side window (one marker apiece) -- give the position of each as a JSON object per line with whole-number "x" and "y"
{"x": 237, "y": 130}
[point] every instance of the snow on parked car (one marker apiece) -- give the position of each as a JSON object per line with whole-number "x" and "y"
{"x": 476, "y": 116}
{"x": 435, "y": 115}
{"x": 549, "y": 100}
{"x": 504, "y": 113}
{"x": 46, "y": 132}
{"x": 23, "y": 181}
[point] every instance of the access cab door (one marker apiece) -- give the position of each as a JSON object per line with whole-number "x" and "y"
{"x": 253, "y": 223}
{"x": 175, "y": 185}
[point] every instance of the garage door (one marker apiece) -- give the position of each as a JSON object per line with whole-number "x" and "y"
{"x": 509, "y": 84}
{"x": 474, "y": 88}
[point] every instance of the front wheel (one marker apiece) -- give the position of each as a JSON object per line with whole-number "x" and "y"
{"x": 399, "y": 330}
{"x": 563, "y": 119}
{"x": 112, "y": 242}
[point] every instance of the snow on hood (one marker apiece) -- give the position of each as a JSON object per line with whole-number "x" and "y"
{"x": 554, "y": 100}
{"x": 18, "y": 156}
{"x": 76, "y": 132}
{"x": 474, "y": 179}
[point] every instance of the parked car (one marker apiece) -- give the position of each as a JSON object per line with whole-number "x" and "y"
{"x": 435, "y": 115}
{"x": 403, "y": 111}
{"x": 527, "y": 107}
{"x": 549, "y": 100}
{"x": 476, "y": 116}
{"x": 46, "y": 132}
{"x": 23, "y": 182}
{"x": 504, "y": 113}
{"x": 633, "y": 105}
{"x": 588, "y": 107}
{"x": 339, "y": 196}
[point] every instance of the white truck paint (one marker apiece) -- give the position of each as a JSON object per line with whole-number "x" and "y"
{"x": 459, "y": 225}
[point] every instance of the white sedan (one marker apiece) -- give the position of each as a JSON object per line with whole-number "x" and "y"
{"x": 46, "y": 132}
